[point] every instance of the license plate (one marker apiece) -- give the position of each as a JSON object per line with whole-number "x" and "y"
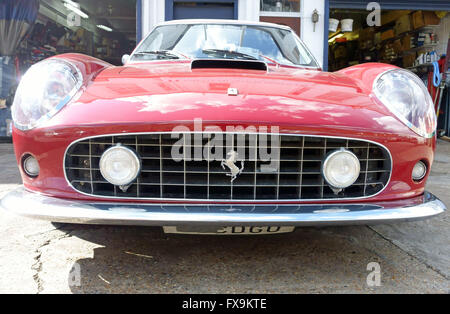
{"x": 233, "y": 230}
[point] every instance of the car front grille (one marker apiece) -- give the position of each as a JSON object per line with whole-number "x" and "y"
{"x": 201, "y": 177}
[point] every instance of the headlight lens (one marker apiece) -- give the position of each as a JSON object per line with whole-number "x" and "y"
{"x": 119, "y": 165}
{"x": 341, "y": 169}
{"x": 31, "y": 166}
{"x": 405, "y": 95}
{"x": 44, "y": 90}
{"x": 419, "y": 171}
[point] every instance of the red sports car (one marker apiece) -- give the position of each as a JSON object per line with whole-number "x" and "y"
{"x": 222, "y": 127}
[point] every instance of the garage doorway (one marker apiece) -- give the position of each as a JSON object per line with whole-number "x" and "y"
{"x": 204, "y": 9}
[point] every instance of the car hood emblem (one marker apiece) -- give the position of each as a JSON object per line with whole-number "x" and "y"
{"x": 230, "y": 163}
{"x": 233, "y": 92}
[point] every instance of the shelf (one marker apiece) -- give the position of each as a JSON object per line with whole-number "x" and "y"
{"x": 410, "y": 32}
{"x": 420, "y": 66}
{"x": 428, "y": 46}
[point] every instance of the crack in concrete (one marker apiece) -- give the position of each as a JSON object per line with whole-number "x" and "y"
{"x": 37, "y": 266}
{"x": 29, "y": 236}
{"x": 62, "y": 228}
{"x": 421, "y": 261}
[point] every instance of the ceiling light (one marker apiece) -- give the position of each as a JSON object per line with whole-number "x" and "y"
{"x": 76, "y": 10}
{"x": 72, "y": 3}
{"x": 334, "y": 37}
{"x": 105, "y": 28}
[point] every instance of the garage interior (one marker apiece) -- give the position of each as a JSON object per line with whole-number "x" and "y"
{"x": 105, "y": 29}
{"x": 400, "y": 39}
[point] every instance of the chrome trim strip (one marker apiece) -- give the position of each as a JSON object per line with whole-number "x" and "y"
{"x": 226, "y": 200}
{"x": 30, "y": 204}
{"x": 219, "y": 21}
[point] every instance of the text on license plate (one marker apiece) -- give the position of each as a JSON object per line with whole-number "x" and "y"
{"x": 232, "y": 230}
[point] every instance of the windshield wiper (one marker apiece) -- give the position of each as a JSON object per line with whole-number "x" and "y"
{"x": 163, "y": 53}
{"x": 226, "y": 53}
{"x": 270, "y": 59}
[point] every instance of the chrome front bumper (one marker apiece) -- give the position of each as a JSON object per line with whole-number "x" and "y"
{"x": 29, "y": 204}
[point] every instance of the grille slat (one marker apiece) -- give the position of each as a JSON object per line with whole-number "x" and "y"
{"x": 160, "y": 168}
{"x": 293, "y": 175}
{"x": 253, "y": 159}
{"x": 226, "y": 184}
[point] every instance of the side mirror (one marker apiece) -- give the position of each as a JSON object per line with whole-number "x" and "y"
{"x": 125, "y": 59}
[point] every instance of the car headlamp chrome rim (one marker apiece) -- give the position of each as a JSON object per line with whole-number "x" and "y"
{"x": 341, "y": 169}
{"x": 405, "y": 95}
{"x": 43, "y": 91}
{"x": 120, "y": 165}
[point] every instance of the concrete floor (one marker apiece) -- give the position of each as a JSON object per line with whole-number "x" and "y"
{"x": 40, "y": 257}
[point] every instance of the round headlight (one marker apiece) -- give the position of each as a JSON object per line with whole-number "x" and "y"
{"x": 120, "y": 165}
{"x": 405, "y": 95}
{"x": 44, "y": 90}
{"x": 341, "y": 169}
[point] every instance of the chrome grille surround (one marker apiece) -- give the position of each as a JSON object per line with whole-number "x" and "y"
{"x": 298, "y": 177}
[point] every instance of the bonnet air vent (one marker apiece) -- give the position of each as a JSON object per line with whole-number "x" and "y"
{"x": 228, "y": 64}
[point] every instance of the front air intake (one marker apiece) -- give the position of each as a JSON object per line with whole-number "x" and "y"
{"x": 229, "y": 64}
{"x": 298, "y": 177}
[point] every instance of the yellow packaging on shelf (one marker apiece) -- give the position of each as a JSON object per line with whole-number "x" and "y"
{"x": 387, "y": 34}
{"x": 424, "y": 18}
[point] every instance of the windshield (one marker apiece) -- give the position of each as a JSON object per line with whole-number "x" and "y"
{"x": 221, "y": 41}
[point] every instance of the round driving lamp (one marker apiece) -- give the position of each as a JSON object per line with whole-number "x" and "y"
{"x": 341, "y": 169}
{"x": 120, "y": 165}
{"x": 31, "y": 166}
{"x": 419, "y": 171}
